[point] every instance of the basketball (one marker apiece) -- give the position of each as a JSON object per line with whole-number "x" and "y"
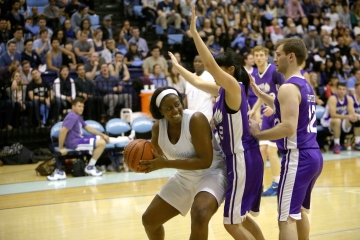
{"x": 139, "y": 149}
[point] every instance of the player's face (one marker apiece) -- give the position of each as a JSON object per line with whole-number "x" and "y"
{"x": 260, "y": 58}
{"x": 250, "y": 60}
{"x": 341, "y": 91}
{"x": 281, "y": 60}
{"x": 198, "y": 64}
{"x": 171, "y": 108}
{"x": 78, "y": 108}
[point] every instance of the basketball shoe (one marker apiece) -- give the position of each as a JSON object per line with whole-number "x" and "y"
{"x": 357, "y": 147}
{"x": 271, "y": 191}
{"x": 91, "y": 170}
{"x": 57, "y": 175}
{"x": 337, "y": 149}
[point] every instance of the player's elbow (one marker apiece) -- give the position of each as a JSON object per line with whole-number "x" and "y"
{"x": 206, "y": 163}
{"x": 290, "y": 129}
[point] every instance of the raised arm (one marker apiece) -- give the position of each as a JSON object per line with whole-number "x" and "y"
{"x": 262, "y": 97}
{"x": 225, "y": 80}
{"x": 193, "y": 79}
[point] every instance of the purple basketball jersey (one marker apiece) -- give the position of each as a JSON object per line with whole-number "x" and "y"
{"x": 356, "y": 104}
{"x": 302, "y": 72}
{"x": 305, "y": 136}
{"x": 341, "y": 108}
{"x": 269, "y": 81}
{"x": 233, "y": 128}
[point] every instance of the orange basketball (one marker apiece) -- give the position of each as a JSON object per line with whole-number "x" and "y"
{"x": 139, "y": 149}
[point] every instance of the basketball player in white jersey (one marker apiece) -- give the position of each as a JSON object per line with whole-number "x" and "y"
{"x": 184, "y": 141}
{"x": 196, "y": 99}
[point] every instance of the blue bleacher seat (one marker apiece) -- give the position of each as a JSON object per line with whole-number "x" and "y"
{"x": 37, "y": 3}
{"x": 175, "y": 39}
{"x": 137, "y": 11}
{"x": 142, "y": 125}
{"x": 95, "y": 21}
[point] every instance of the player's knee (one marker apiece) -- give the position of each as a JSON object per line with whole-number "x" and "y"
{"x": 147, "y": 220}
{"x": 100, "y": 142}
{"x": 200, "y": 215}
{"x": 335, "y": 121}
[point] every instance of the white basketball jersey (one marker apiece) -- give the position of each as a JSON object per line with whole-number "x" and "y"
{"x": 198, "y": 100}
{"x": 184, "y": 148}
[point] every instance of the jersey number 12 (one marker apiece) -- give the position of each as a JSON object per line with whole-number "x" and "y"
{"x": 312, "y": 118}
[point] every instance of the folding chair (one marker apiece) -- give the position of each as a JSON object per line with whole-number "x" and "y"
{"x": 142, "y": 127}
{"x": 117, "y": 127}
{"x": 100, "y": 128}
{"x": 54, "y": 135}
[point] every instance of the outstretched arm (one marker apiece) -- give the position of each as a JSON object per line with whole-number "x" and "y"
{"x": 193, "y": 79}
{"x": 225, "y": 80}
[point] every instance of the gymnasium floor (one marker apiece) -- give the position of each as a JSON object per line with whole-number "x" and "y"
{"x": 110, "y": 207}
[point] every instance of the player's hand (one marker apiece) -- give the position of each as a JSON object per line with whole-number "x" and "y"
{"x": 254, "y": 127}
{"x": 147, "y": 166}
{"x": 173, "y": 59}
{"x": 254, "y": 86}
{"x": 63, "y": 151}
{"x": 106, "y": 138}
{"x": 353, "y": 118}
{"x": 193, "y": 20}
{"x": 268, "y": 111}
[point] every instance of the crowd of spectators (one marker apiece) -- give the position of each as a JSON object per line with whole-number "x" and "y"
{"x": 94, "y": 61}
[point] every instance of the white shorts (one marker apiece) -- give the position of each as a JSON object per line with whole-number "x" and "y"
{"x": 268, "y": 143}
{"x": 344, "y": 129}
{"x": 180, "y": 190}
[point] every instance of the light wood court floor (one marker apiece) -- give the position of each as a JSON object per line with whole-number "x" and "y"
{"x": 113, "y": 211}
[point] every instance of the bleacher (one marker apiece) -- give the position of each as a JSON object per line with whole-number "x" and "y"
{"x": 178, "y": 39}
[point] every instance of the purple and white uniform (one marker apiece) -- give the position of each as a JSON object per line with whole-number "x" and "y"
{"x": 341, "y": 109}
{"x": 75, "y": 138}
{"x": 269, "y": 82}
{"x": 243, "y": 159}
{"x": 252, "y": 98}
{"x": 356, "y": 104}
{"x": 302, "y": 159}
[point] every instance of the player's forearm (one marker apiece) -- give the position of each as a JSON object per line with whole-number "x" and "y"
{"x": 267, "y": 99}
{"x": 61, "y": 140}
{"x": 257, "y": 104}
{"x": 281, "y": 130}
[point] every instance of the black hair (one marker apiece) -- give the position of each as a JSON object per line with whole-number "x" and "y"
{"x": 154, "y": 47}
{"x": 77, "y": 100}
{"x": 155, "y": 112}
{"x": 341, "y": 84}
{"x": 54, "y": 39}
{"x": 230, "y": 58}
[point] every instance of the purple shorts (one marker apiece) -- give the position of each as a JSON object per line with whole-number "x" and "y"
{"x": 243, "y": 193}
{"x": 87, "y": 143}
{"x": 299, "y": 171}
